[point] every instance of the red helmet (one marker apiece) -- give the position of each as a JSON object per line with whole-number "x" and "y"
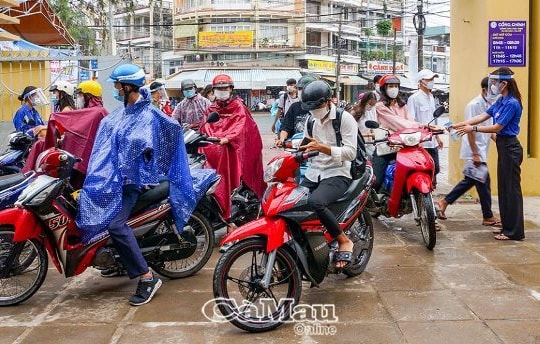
{"x": 388, "y": 79}
{"x": 222, "y": 80}
{"x": 56, "y": 163}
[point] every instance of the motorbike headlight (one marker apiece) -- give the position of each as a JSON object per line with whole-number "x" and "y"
{"x": 411, "y": 139}
{"x": 271, "y": 169}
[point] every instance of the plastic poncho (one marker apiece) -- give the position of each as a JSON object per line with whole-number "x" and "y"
{"x": 134, "y": 145}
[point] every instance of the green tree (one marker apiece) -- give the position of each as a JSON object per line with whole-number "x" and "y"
{"x": 384, "y": 27}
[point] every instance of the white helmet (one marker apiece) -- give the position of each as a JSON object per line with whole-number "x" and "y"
{"x": 63, "y": 86}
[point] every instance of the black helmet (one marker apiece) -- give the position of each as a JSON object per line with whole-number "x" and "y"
{"x": 187, "y": 84}
{"x": 315, "y": 94}
{"x": 306, "y": 79}
{"x": 156, "y": 85}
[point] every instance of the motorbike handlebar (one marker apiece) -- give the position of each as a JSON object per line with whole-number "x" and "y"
{"x": 213, "y": 139}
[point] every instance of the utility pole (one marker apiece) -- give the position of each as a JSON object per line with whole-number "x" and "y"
{"x": 338, "y": 60}
{"x": 111, "y": 30}
{"x": 419, "y": 22}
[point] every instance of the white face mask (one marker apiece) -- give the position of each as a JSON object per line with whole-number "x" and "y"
{"x": 495, "y": 89}
{"x": 299, "y": 94}
{"x": 369, "y": 107}
{"x": 392, "y": 92}
{"x": 80, "y": 102}
{"x": 290, "y": 89}
{"x": 211, "y": 97}
{"x": 319, "y": 113}
{"x": 377, "y": 88}
{"x": 428, "y": 84}
{"x": 222, "y": 95}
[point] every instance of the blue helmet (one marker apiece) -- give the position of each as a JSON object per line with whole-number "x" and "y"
{"x": 128, "y": 74}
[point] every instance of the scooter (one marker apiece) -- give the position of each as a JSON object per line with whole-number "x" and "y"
{"x": 43, "y": 221}
{"x": 12, "y": 160}
{"x": 11, "y": 187}
{"x": 258, "y": 280}
{"x": 408, "y": 186}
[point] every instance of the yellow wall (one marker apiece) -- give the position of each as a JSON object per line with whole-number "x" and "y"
{"x": 14, "y": 77}
{"x": 469, "y": 61}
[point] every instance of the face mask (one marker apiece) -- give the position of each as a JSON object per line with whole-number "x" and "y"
{"x": 428, "y": 84}
{"x": 377, "y": 88}
{"x": 496, "y": 89}
{"x": 222, "y": 95}
{"x": 189, "y": 93}
{"x": 211, "y": 97}
{"x": 117, "y": 96}
{"x": 299, "y": 93}
{"x": 54, "y": 100}
{"x": 319, "y": 113}
{"x": 290, "y": 89}
{"x": 392, "y": 92}
{"x": 369, "y": 107}
{"x": 80, "y": 102}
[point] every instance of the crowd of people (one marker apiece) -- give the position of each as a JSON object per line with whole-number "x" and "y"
{"x": 129, "y": 145}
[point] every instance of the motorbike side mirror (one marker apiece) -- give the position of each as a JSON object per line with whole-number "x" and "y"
{"x": 213, "y": 117}
{"x": 371, "y": 124}
{"x": 439, "y": 111}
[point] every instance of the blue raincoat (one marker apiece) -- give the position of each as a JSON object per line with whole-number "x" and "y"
{"x": 136, "y": 145}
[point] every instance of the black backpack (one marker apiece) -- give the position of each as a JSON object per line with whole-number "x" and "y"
{"x": 358, "y": 165}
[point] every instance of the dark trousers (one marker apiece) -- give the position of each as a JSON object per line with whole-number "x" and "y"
{"x": 434, "y": 152}
{"x": 510, "y": 157}
{"x": 483, "y": 189}
{"x": 123, "y": 238}
{"x": 380, "y": 163}
{"x": 324, "y": 193}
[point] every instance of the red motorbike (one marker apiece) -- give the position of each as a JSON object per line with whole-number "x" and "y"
{"x": 258, "y": 280}
{"x": 43, "y": 220}
{"x": 408, "y": 185}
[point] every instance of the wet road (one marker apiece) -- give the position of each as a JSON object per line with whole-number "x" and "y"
{"x": 469, "y": 289}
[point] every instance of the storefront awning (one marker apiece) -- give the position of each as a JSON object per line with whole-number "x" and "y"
{"x": 245, "y": 79}
{"x": 353, "y": 80}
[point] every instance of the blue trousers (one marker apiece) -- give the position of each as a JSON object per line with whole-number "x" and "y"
{"x": 123, "y": 238}
{"x": 483, "y": 189}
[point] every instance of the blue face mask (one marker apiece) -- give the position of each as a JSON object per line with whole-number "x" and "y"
{"x": 117, "y": 96}
{"x": 54, "y": 100}
{"x": 189, "y": 93}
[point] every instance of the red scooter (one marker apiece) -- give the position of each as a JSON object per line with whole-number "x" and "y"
{"x": 410, "y": 189}
{"x": 258, "y": 280}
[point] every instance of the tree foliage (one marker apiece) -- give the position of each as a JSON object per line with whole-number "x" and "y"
{"x": 384, "y": 27}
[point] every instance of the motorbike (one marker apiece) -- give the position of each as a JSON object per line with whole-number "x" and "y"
{"x": 12, "y": 185}
{"x": 245, "y": 204}
{"x": 408, "y": 186}
{"x": 12, "y": 160}
{"x": 43, "y": 221}
{"x": 258, "y": 280}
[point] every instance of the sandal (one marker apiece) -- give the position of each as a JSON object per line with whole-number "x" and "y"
{"x": 501, "y": 237}
{"x": 492, "y": 223}
{"x": 343, "y": 256}
{"x": 441, "y": 215}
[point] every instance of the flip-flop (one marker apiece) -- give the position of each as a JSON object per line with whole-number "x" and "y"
{"x": 497, "y": 223}
{"x": 343, "y": 256}
{"x": 501, "y": 237}
{"x": 440, "y": 215}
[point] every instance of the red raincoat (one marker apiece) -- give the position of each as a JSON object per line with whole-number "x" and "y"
{"x": 241, "y": 158}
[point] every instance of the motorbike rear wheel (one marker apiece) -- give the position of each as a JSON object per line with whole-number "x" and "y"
{"x": 240, "y": 298}
{"x": 23, "y": 268}
{"x": 182, "y": 268}
{"x": 363, "y": 245}
{"x": 426, "y": 213}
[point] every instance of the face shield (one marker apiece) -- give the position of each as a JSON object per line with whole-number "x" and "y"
{"x": 37, "y": 97}
{"x": 160, "y": 94}
{"x": 496, "y": 83}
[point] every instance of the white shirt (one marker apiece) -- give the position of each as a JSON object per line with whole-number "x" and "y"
{"x": 339, "y": 162}
{"x": 285, "y": 104}
{"x": 421, "y": 106}
{"x": 473, "y": 108}
{"x": 370, "y": 115}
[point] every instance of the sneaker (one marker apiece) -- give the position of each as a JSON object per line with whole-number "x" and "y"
{"x": 145, "y": 291}
{"x": 113, "y": 272}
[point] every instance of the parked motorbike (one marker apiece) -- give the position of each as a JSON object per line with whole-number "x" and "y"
{"x": 12, "y": 160}
{"x": 43, "y": 220}
{"x": 12, "y": 185}
{"x": 258, "y": 280}
{"x": 408, "y": 186}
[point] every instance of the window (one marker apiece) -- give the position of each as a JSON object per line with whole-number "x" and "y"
{"x": 274, "y": 32}
{"x": 229, "y": 28}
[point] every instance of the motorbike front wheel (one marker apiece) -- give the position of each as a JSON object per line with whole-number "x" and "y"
{"x": 23, "y": 268}
{"x": 362, "y": 236}
{"x": 426, "y": 213}
{"x": 239, "y": 295}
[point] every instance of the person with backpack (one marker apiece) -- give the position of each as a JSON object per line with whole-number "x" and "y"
{"x": 285, "y": 102}
{"x": 329, "y": 175}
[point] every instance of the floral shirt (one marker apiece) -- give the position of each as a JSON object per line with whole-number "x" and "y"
{"x": 191, "y": 110}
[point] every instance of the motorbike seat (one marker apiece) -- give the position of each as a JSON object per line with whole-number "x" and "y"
{"x": 154, "y": 195}
{"x": 354, "y": 189}
{"x": 11, "y": 180}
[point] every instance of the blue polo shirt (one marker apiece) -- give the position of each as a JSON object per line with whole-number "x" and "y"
{"x": 507, "y": 112}
{"x": 25, "y": 115}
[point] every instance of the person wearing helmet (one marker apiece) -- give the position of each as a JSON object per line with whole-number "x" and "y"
{"x": 135, "y": 147}
{"x": 192, "y": 108}
{"x": 88, "y": 94}
{"x": 329, "y": 176}
{"x": 27, "y": 117}
{"x": 295, "y": 118}
{"x": 285, "y": 102}
{"x": 62, "y": 96}
{"x": 238, "y": 157}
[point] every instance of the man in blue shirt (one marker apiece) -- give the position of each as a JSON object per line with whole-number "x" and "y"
{"x": 27, "y": 117}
